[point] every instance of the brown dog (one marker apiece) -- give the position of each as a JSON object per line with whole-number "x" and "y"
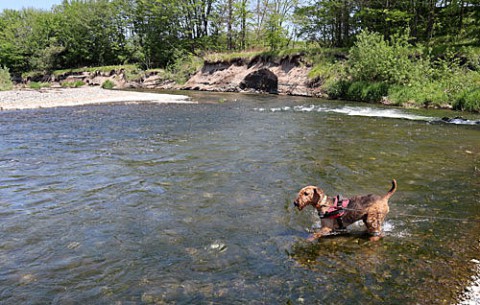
{"x": 337, "y": 214}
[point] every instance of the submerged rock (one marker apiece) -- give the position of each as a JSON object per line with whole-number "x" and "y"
{"x": 459, "y": 121}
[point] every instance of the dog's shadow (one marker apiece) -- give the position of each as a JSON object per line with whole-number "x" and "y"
{"x": 332, "y": 251}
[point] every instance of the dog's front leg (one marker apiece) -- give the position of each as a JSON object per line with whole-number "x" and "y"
{"x": 327, "y": 228}
{"x": 319, "y": 234}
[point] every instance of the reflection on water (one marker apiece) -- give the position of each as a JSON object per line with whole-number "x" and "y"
{"x": 191, "y": 204}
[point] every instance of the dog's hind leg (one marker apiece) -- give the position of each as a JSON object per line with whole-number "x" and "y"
{"x": 374, "y": 225}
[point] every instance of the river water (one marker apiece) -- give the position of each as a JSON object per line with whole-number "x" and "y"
{"x": 192, "y": 204}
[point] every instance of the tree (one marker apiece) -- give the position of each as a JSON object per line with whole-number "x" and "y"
{"x": 28, "y": 40}
{"x": 90, "y": 32}
{"x": 232, "y": 15}
{"x": 11, "y": 54}
{"x": 327, "y": 22}
{"x": 273, "y": 21}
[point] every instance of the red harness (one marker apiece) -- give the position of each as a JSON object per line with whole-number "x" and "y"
{"x": 337, "y": 210}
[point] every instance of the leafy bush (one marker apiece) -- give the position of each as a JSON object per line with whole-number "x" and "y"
{"x": 468, "y": 100}
{"x": 328, "y": 70}
{"x": 354, "y": 91}
{"x": 458, "y": 91}
{"x": 108, "y": 84}
{"x": 104, "y": 69}
{"x": 358, "y": 91}
{"x": 395, "y": 62}
{"x": 184, "y": 65}
{"x": 374, "y": 92}
{"x": 336, "y": 88}
{"x": 74, "y": 84}
{"x": 394, "y": 69}
{"x": 429, "y": 94}
{"x": 5, "y": 79}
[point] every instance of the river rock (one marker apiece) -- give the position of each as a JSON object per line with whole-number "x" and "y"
{"x": 459, "y": 121}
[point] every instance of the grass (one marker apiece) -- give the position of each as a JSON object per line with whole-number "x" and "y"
{"x": 264, "y": 54}
{"x": 108, "y": 84}
{"x": 230, "y": 56}
{"x": 468, "y": 100}
{"x": 38, "y": 85}
{"x": 103, "y": 69}
{"x": 5, "y": 79}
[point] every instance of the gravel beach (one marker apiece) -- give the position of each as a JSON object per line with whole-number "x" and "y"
{"x": 61, "y": 97}
{"x": 471, "y": 295}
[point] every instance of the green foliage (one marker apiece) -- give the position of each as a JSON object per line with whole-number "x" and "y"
{"x": 374, "y": 92}
{"x": 248, "y": 56}
{"x": 88, "y": 30}
{"x": 325, "y": 22}
{"x": 336, "y": 89}
{"x": 376, "y": 60}
{"x": 331, "y": 74}
{"x": 5, "y": 79}
{"x": 451, "y": 87}
{"x": 38, "y": 85}
{"x": 396, "y": 71}
{"x": 108, "y": 84}
{"x": 79, "y": 33}
{"x": 183, "y": 66}
{"x": 104, "y": 69}
{"x": 275, "y": 34}
{"x": 27, "y": 40}
{"x": 468, "y": 100}
{"x": 421, "y": 95}
{"x": 358, "y": 91}
{"x": 230, "y": 56}
{"x": 336, "y": 22}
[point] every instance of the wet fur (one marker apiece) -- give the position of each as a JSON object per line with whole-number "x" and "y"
{"x": 371, "y": 209}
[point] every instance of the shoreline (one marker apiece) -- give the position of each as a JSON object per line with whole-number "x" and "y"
{"x": 19, "y": 99}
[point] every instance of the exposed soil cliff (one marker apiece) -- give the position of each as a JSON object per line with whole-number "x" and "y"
{"x": 287, "y": 76}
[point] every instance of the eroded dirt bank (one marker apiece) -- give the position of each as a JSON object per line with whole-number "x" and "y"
{"x": 287, "y": 76}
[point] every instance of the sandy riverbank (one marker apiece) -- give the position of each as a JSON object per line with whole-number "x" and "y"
{"x": 61, "y": 97}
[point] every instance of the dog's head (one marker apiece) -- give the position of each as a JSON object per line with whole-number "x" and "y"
{"x": 309, "y": 195}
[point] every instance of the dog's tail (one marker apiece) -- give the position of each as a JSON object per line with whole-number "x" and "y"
{"x": 392, "y": 190}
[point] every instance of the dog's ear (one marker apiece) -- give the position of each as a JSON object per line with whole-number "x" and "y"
{"x": 316, "y": 195}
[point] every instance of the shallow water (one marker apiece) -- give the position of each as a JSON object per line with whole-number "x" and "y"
{"x": 192, "y": 204}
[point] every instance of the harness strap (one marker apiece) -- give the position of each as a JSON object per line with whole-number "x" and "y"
{"x": 336, "y": 210}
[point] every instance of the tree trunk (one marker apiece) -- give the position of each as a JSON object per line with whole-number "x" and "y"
{"x": 430, "y": 21}
{"x": 243, "y": 43}
{"x": 229, "y": 25}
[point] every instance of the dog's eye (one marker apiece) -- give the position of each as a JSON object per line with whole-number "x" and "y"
{"x": 305, "y": 193}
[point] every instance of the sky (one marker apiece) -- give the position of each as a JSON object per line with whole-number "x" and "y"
{"x": 19, "y": 4}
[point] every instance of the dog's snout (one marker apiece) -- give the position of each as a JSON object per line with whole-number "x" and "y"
{"x": 295, "y": 204}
